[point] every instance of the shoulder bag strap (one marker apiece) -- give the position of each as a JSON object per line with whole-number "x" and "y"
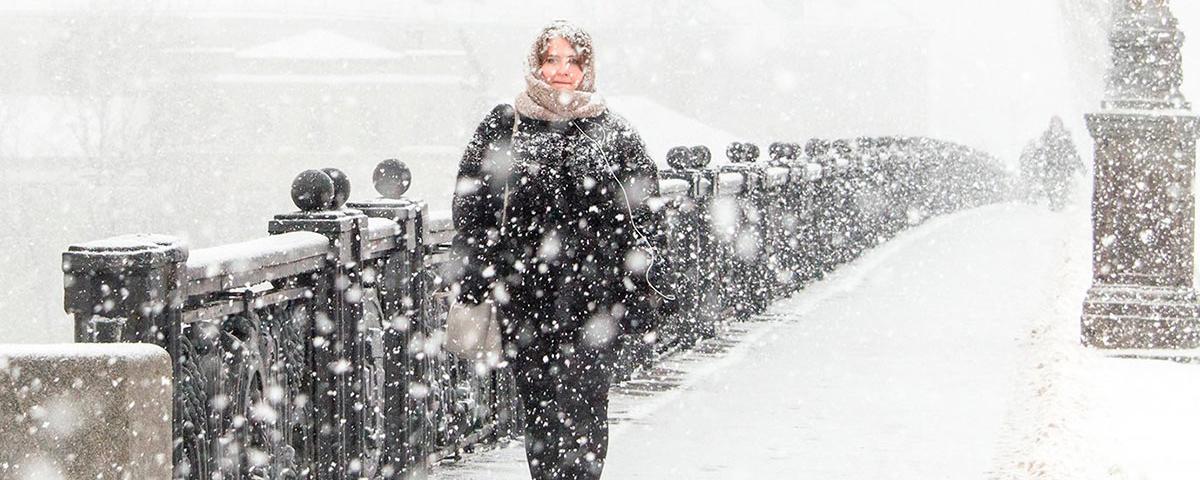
{"x": 512, "y": 148}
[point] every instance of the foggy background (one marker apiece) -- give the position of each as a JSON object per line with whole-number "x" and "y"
{"x": 191, "y": 118}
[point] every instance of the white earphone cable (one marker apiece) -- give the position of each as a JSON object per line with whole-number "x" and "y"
{"x": 629, "y": 208}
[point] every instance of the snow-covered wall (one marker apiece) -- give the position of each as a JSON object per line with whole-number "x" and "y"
{"x": 85, "y": 411}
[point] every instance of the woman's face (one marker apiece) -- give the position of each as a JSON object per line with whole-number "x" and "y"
{"x": 561, "y": 66}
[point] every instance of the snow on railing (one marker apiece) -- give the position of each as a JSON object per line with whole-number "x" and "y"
{"x": 380, "y": 237}
{"x": 260, "y": 260}
{"x": 729, "y": 183}
{"x": 673, "y": 187}
{"x": 315, "y": 352}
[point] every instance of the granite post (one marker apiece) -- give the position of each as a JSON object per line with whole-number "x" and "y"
{"x": 1142, "y": 294}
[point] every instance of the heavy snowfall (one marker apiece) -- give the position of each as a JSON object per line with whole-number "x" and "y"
{"x": 949, "y": 350}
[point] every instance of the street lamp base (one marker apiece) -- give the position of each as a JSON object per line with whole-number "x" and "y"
{"x": 1140, "y": 317}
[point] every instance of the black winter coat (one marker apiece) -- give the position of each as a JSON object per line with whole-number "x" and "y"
{"x": 568, "y": 268}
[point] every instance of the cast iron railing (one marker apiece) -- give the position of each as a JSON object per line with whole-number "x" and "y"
{"x": 315, "y": 352}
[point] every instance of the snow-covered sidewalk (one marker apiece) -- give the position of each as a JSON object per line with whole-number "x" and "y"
{"x": 949, "y": 352}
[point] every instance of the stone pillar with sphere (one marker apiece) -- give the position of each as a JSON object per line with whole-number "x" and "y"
{"x": 404, "y": 292}
{"x": 1142, "y": 293}
{"x": 337, "y": 315}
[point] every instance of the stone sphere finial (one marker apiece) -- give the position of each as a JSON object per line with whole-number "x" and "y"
{"x": 679, "y": 158}
{"x": 689, "y": 158}
{"x": 816, "y": 147}
{"x": 701, "y": 156}
{"x": 313, "y": 190}
{"x": 1147, "y": 61}
{"x": 341, "y": 187}
{"x": 776, "y": 150}
{"x": 842, "y": 147}
{"x": 734, "y": 152}
{"x": 780, "y": 151}
{"x": 752, "y": 152}
{"x": 739, "y": 152}
{"x": 392, "y": 178}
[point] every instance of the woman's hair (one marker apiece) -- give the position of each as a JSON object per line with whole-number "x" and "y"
{"x": 574, "y": 35}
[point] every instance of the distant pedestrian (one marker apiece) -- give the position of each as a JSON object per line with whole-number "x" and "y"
{"x": 1033, "y": 168}
{"x": 1062, "y": 162}
{"x": 1049, "y": 165}
{"x": 568, "y": 268}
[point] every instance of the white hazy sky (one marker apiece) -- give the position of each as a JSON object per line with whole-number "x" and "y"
{"x": 998, "y": 68}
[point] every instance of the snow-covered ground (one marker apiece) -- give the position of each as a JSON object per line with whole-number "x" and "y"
{"x": 950, "y": 352}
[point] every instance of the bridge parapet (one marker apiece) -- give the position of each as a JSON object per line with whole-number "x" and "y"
{"x": 85, "y": 411}
{"x": 315, "y": 352}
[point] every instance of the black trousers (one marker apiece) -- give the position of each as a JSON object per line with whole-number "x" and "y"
{"x": 565, "y": 395}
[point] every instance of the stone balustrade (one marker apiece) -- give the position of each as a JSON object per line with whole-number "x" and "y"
{"x": 85, "y": 411}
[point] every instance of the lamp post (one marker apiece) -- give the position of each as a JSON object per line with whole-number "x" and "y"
{"x": 1143, "y": 232}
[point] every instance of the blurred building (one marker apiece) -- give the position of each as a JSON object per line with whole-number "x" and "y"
{"x": 369, "y": 77}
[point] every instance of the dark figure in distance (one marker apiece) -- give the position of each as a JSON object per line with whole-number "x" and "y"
{"x": 1049, "y": 165}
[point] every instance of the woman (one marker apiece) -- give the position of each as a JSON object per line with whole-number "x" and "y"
{"x": 554, "y": 220}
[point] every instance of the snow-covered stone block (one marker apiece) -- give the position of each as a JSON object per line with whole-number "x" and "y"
{"x": 777, "y": 176}
{"x": 730, "y": 182}
{"x": 85, "y": 411}
{"x": 674, "y": 187}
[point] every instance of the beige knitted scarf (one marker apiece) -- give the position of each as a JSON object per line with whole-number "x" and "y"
{"x": 541, "y": 101}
